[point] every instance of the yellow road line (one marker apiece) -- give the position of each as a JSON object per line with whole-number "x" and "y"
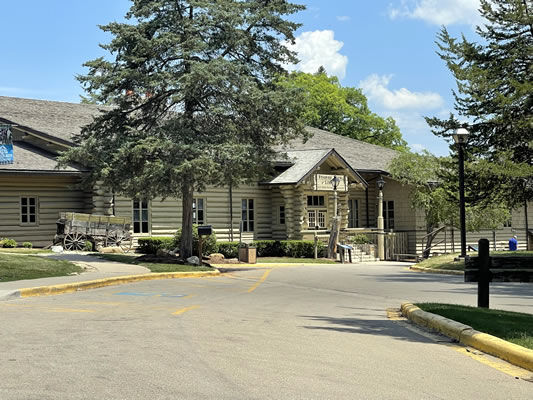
{"x": 495, "y": 363}
{"x": 260, "y": 281}
{"x": 74, "y": 310}
{"x": 182, "y": 310}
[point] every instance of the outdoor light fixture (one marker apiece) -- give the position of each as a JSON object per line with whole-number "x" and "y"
{"x": 381, "y": 240}
{"x": 335, "y": 181}
{"x": 381, "y": 183}
{"x": 461, "y": 136}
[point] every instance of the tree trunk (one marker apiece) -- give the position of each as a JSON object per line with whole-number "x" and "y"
{"x": 186, "y": 221}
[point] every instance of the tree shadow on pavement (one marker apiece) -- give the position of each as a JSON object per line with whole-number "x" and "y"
{"x": 380, "y": 327}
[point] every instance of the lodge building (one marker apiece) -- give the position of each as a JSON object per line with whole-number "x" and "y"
{"x": 294, "y": 204}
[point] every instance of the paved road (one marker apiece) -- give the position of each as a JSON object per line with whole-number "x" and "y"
{"x": 318, "y": 332}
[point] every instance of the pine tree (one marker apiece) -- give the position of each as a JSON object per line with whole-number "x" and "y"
{"x": 495, "y": 94}
{"x": 193, "y": 88}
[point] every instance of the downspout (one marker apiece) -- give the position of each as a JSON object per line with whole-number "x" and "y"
{"x": 366, "y": 206}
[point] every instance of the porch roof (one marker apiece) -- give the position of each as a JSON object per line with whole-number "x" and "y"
{"x": 31, "y": 159}
{"x": 305, "y": 162}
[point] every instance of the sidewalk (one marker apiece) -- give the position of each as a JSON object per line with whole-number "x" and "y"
{"x": 96, "y": 268}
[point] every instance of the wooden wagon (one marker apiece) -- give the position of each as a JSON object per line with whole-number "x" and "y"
{"x": 75, "y": 229}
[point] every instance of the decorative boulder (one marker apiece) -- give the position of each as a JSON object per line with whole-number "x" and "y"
{"x": 216, "y": 258}
{"x": 57, "y": 249}
{"x": 193, "y": 260}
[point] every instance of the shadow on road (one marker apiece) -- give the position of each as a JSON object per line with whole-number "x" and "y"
{"x": 381, "y": 327}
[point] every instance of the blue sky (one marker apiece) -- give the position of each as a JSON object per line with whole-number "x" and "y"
{"x": 385, "y": 47}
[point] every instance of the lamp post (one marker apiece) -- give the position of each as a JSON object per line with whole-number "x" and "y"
{"x": 460, "y": 137}
{"x": 381, "y": 240}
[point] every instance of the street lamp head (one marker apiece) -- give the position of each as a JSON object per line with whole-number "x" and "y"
{"x": 335, "y": 181}
{"x": 461, "y": 135}
{"x": 380, "y": 182}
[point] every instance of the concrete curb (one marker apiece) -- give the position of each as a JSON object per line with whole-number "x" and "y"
{"x": 436, "y": 271}
{"x": 465, "y": 334}
{"x": 9, "y": 294}
{"x": 116, "y": 280}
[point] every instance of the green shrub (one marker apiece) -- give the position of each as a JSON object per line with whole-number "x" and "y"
{"x": 27, "y": 245}
{"x": 88, "y": 246}
{"x": 228, "y": 249}
{"x": 289, "y": 248}
{"x": 270, "y": 248}
{"x": 8, "y": 243}
{"x": 209, "y": 243}
{"x": 360, "y": 239}
{"x": 150, "y": 245}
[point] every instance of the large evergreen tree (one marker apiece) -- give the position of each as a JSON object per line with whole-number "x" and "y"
{"x": 495, "y": 95}
{"x": 343, "y": 110}
{"x": 193, "y": 84}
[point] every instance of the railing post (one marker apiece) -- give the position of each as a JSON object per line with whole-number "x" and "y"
{"x": 484, "y": 274}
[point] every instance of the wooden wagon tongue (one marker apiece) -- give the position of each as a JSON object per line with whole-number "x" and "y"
{"x": 74, "y": 230}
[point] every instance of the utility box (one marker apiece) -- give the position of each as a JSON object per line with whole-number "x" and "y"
{"x": 248, "y": 254}
{"x": 205, "y": 230}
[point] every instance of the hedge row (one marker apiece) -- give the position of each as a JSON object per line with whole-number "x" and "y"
{"x": 265, "y": 248}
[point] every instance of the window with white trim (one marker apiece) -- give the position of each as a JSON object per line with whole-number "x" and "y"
{"x": 353, "y": 213}
{"x": 247, "y": 216}
{"x": 140, "y": 216}
{"x": 316, "y": 213}
{"x": 28, "y": 210}
{"x": 315, "y": 201}
{"x": 316, "y": 218}
{"x": 198, "y": 211}
{"x": 388, "y": 214}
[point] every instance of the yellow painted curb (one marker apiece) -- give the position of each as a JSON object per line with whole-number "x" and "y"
{"x": 465, "y": 334}
{"x": 436, "y": 271}
{"x": 116, "y": 280}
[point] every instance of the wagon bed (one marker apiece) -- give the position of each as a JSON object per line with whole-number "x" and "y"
{"x": 75, "y": 229}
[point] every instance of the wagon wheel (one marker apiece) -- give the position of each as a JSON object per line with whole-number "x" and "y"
{"x": 119, "y": 239}
{"x": 74, "y": 241}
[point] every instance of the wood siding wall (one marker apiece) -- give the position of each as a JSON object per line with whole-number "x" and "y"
{"x": 55, "y": 194}
{"x": 165, "y": 216}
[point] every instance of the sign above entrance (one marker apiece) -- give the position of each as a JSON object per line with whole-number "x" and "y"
{"x": 6, "y": 145}
{"x": 323, "y": 182}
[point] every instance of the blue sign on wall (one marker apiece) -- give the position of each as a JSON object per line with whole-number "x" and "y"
{"x": 6, "y": 145}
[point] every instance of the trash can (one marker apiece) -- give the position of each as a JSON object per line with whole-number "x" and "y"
{"x": 247, "y": 254}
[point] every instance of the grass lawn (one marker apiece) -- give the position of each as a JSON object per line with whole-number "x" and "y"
{"x": 446, "y": 261}
{"x": 17, "y": 267}
{"x": 23, "y": 250}
{"x": 154, "y": 267}
{"x": 511, "y": 326}
{"x": 294, "y": 260}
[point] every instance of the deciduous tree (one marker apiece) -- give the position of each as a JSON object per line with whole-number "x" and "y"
{"x": 343, "y": 110}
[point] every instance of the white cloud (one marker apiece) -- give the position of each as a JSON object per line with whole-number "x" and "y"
{"x": 343, "y": 18}
{"x": 319, "y": 48}
{"x": 376, "y": 89}
{"x": 438, "y": 12}
{"x": 418, "y": 148}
